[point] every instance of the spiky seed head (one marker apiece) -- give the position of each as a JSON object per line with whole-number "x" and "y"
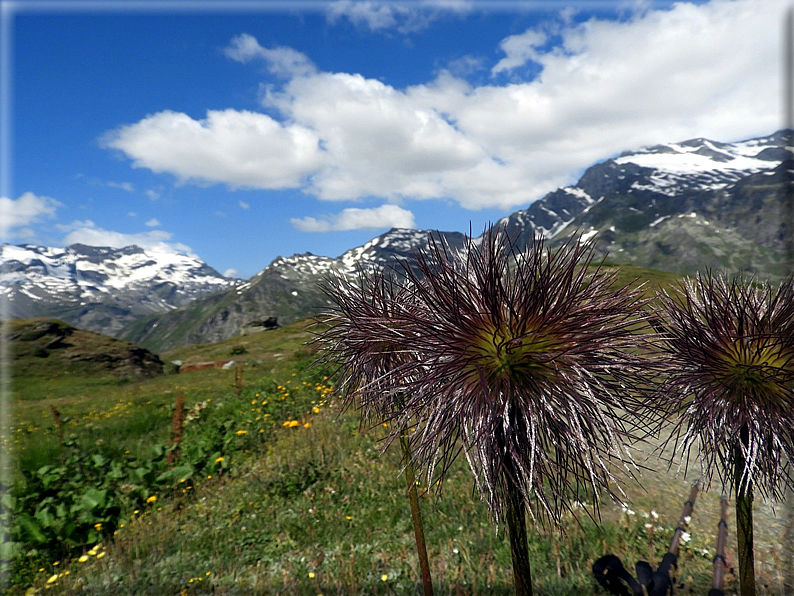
{"x": 361, "y": 340}
{"x": 730, "y": 378}
{"x": 530, "y": 365}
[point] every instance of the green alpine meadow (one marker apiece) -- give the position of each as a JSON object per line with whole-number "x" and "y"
{"x": 243, "y": 467}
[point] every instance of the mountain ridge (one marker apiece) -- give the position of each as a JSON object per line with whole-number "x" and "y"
{"x": 101, "y": 288}
{"x": 676, "y": 207}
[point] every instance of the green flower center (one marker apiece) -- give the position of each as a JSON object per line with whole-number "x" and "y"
{"x": 754, "y": 367}
{"x": 501, "y": 354}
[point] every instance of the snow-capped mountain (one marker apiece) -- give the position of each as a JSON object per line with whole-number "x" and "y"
{"x": 286, "y": 289}
{"x": 101, "y": 288}
{"x": 673, "y": 170}
{"x": 678, "y": 207}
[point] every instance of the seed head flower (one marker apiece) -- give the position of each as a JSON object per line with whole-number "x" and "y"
{"x": 730, "y": 383}
{"x": 362, "y": 341}
{"x": 730, "y": 345}
{"x": 529, "y": 362}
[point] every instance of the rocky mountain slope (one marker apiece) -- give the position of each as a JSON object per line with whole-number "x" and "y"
{"x": 677, "y": 207}
{"x": 287, "y": 289}
{"x": 100, "y": 288}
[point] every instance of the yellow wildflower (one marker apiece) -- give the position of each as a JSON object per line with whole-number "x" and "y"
{"x": 219, "y": 460}
{"x": 83, "y": 559}
{"x": 151, "y": 499}
{"x": 242, "y": 432}
{"x": 307, "y": 425}
{"x": 100, "y": 555}
{"x": 53, "y": 579}
{"x": 384, "y": 577}
{"x": 311, "y": 574}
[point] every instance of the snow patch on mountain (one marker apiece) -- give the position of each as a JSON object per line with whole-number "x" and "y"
{"x": 42, "y": 281}
{"x": 701, "y": 164}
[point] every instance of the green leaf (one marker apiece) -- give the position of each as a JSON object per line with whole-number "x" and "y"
{"x": 45, "y": 518}
{"x": 98, "y": 460}
{"x": 93, "y": 499}
{"x": 31, "y": 531}
{"x": 7, "y": 500}
{"x": 9, "y": 550}
{"x": 176, "y": 474}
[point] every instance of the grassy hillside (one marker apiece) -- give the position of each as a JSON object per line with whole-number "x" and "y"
{"x": 52, "y": 359}
{"x": 274, "y": 491}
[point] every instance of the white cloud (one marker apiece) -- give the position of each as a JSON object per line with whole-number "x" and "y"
{"x": 239, "y": 148}
{"x": 132, "y": 214}
{"x": 374, "y": 15}
{"x": 22, "y": 234}
{"x": 381, "y": 141}
{"x": 385, "y": 216}
{"x": 709, "y": 70}
{"x": 243, "y": 205}
{"x": 122, "y": 185}
{"x": 86, "y": 232}
{"x": 405, "y": 17}
{"x": 76, "y": 225}
{"x": 230, "y": 273}
{"x": 520, "y": 49}
{"x": 153, "y": 223}
{"x": 282, "y": 61}
{"x": 25, "y": 210}
{"x": 152, "y": 194}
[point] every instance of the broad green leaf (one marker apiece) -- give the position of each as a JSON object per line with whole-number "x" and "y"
{"x": 93, "y": 499}
{"x": 31, "y": 529}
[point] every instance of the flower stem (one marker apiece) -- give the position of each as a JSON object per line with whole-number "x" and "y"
{"x": 416, "y": 514}
{"x": 519, "y": 547}
{"x": 744, "y": 523}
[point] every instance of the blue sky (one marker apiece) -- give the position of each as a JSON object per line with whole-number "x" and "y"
{"x": 240, "y": 131}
